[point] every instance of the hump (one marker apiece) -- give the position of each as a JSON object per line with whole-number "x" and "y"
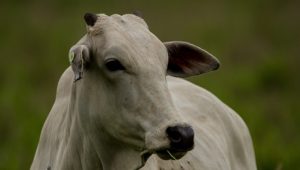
{"x": 65, "y": 84}
{"x": 185, "y": 91}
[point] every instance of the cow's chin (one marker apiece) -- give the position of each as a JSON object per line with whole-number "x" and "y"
{"x": 165, "y": 154}
{"x": 169, "y": 154}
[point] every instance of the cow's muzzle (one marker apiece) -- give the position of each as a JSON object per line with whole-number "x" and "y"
{"x": 181, "y": 138}
{"x": 173, "y": 142}
{"x": 181, "y": 141}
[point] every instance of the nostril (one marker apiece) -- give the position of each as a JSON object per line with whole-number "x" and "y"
{"x": 174, "y": 134}
{"x": 181, "y": 137}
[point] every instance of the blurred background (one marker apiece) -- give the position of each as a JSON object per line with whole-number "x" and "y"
{"x": 256, "y": 41}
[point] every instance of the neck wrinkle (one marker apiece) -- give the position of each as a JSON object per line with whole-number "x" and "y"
{"x": 117, "y": 155}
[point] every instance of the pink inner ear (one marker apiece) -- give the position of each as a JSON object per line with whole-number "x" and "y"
{"x": 184, "y": 60}
{"x": 188, "y": 60}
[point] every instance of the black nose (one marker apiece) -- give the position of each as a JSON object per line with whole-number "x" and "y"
{"x": 181, "y": 137}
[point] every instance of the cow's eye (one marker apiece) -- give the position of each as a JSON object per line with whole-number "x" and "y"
{"x": 114, "y": 65}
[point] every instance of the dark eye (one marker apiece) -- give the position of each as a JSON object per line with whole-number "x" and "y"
{"x": 114, "y": 65}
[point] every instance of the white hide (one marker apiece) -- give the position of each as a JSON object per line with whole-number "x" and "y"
{"x": 222, "y": 139}
{"x": 108, "y": 121}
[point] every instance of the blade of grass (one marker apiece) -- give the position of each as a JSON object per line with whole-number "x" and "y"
{"x": 171, "y": 155}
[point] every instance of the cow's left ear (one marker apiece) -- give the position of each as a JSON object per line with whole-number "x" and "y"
{"x": 186, "y": 59}
{"x": 79, "y": 56}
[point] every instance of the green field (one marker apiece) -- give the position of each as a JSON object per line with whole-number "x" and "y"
{"x": 257, "y": 43}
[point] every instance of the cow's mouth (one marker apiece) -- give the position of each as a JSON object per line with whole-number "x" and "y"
{"x": 169, "y": 154}
{"x": 165, "y": 154}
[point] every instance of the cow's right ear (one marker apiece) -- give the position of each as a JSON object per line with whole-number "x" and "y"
{"x": 79, "y": 56}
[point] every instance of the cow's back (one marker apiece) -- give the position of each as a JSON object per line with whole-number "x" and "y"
{"x": 222, "y": 140}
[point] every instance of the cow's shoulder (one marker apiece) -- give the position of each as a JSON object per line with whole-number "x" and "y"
{"x": 222, "y": 139}
{"x": 195, "y": 100}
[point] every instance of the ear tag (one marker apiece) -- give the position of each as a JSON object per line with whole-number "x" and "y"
{"x": 71, "y": 57}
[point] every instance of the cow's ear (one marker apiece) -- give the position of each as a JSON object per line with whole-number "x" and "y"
{"x": 186, "y": 59}
{"x": 79, "y": 56}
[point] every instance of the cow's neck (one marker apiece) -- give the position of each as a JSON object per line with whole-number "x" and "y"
{"x": 94, "y": 146}
{"x": 117, "y": 155}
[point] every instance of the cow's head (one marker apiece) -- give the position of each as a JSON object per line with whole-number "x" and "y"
{"x": 120, "y": 69}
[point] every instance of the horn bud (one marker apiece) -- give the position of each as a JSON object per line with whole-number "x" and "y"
{"x": 90, "y": 19}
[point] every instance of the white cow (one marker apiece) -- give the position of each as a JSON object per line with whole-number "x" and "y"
{"x": 119, "y": 108}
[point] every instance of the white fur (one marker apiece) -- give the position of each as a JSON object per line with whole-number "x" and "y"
{"x": 107, "y": 120}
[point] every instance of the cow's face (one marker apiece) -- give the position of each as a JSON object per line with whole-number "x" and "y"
{"x": 124, "y": 89}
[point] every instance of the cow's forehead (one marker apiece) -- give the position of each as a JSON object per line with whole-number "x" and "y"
{"x": 116, "y": 20}
{"x": 131, "y": 34}
{"x": 127, "y": 29}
